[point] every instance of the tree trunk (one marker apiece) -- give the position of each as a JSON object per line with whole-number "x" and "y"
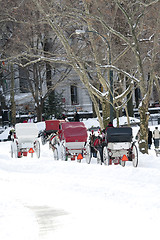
{"x": 130, "y": 107}
{"x": 144, "y": 116}
{"x": 37, "y": 97}
{"x": 94, "y": 112}
{"x": 127, "y": 115}
{"x": 2, "y": 98}
{"x": 13, "y": 105}
{"x": 39, "y": 113}
{"x": 105, "y": 109}
{"x": 117, "y": 117}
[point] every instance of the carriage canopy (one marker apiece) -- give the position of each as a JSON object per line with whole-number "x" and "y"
{"x": 122, "y": 134}
{"x": 74, "y": 132}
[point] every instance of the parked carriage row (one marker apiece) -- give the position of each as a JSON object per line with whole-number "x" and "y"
{"x": 70, "y": 140}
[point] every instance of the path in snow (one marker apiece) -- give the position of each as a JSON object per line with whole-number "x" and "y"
{"x": 47, "y": 219}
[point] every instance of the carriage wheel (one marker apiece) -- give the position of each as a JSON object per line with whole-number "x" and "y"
{"x": 37, "y": 148}
{"x": 105, "y": 156}
{"x": 99, "y": 158}
{"x": 134, "y": 155}
{"x": 88, "y": 155}
{"x": 55, "y": 154}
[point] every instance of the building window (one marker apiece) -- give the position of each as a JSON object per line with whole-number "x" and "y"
{"x": 74, "y": 97}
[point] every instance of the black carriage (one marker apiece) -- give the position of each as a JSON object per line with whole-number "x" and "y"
{"x": 117, "y": 147}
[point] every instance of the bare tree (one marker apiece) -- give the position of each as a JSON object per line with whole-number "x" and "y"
{"x": 137, "y": 43}
{"x": 125, "y": 45}
{"x": 144, "y": 45}
{"x": 30, "y": 47}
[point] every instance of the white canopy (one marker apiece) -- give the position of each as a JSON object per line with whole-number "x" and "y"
{"x": 26, "y": 131}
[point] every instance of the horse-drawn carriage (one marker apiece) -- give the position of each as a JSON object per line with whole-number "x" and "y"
{"x": 25, "y": 140}
{"x": 117, "y": 147}
{"x": 72, "y": 142}
{"x": 51, "y": 127}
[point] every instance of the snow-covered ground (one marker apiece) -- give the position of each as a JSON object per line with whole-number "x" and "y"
{"x": 47, "y": 199}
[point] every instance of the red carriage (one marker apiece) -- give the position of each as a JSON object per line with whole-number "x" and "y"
{"x": 73, "y": 141}
{"x": 51, "y": 126}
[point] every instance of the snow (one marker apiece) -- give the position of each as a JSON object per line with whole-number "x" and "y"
{"x": 91, "y": 123}
{"x": 123, "y": 121}
{"x": 21, "y": 98}
{"x": 47, "y": 199}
